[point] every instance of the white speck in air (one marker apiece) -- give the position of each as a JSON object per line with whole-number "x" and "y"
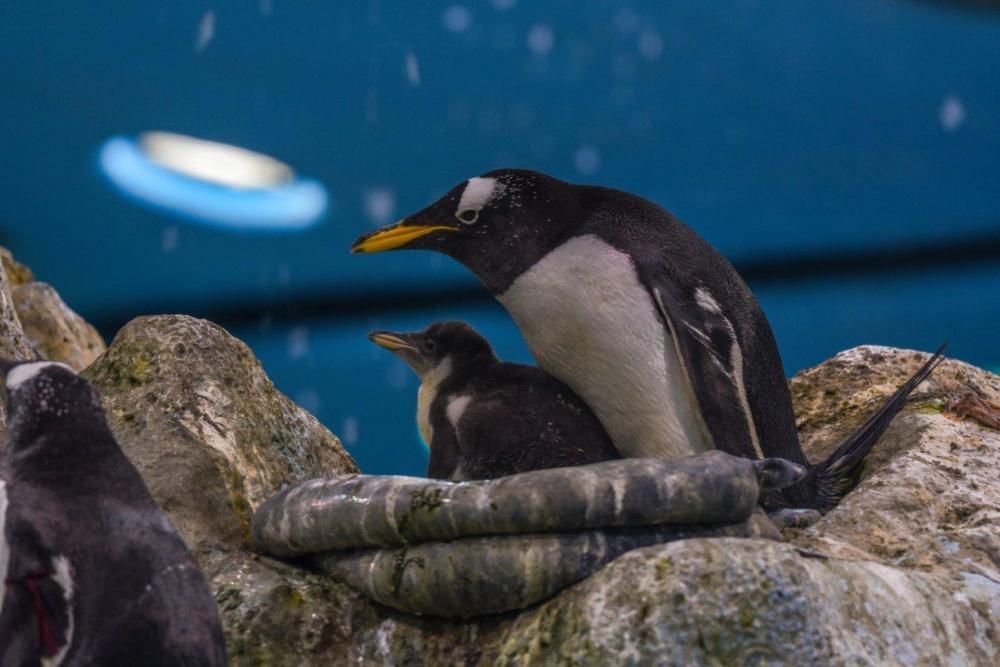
{"x": 587, "y": 160}
{"x": 379, "y": 203}
{"x": 503, "y": 5}
{"x": 349, "y": 431}
{"x": 298, "y": 343}
{"x": 650, "y": 45}
{"x": 626, "y": 20}
{"x": 308, "y": 400}
{"x": 412, "y": 69}
{"x": 266, "y": 7}
{"x": 170, "y": 237}
{"x": 397, "y": 375}
{"x": 952, "y": 113}
{"x": 457, "y": 18}
{"x": 206, "y": 31}
{"x": 540, "y": 39}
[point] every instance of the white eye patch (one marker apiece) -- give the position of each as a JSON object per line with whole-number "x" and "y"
{"x": 21, "y": 374}
{"x": 478, "y": 192}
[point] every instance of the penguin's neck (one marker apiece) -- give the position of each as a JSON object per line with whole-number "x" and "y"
{"x": 430, "y": 386}
{"x": 589, "y": 321}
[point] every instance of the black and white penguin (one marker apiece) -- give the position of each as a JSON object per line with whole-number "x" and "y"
{"x": 483, "y": 418}
{"x": 641, "y": 317}
{"x": 92, "y": 571}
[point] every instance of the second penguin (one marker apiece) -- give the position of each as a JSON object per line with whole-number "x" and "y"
{"x": 483, "y": 418}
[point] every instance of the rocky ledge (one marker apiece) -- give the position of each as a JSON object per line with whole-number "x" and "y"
{"x": 905, "y": 571}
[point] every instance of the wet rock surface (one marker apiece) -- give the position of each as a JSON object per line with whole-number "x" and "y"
{"x": 905, "y": 571}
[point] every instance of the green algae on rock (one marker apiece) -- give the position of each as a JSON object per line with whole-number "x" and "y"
{"x": 194, "y": 411}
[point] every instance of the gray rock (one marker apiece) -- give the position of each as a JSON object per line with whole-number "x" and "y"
{"x": 55, "y": 331}
{"x": 905, "y": 571}
{"x": 212, "y": 437}
{"x": 17, "y": 273}
{"x": 930, "y": 500}
{"x": 14, "y": 344}
{"x": 909, "y": 576}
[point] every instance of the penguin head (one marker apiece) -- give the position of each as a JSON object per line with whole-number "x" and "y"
{"x": 39, "y": 392}
{"x": 443, "y": 345}
{"x": 498, "y": 224}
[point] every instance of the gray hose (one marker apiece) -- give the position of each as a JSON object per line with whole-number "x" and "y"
{"x": 488, "y": 575}
{"x": 383, "y": 511}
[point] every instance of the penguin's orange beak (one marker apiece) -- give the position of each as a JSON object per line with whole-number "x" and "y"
{"x": 395, "y": 236}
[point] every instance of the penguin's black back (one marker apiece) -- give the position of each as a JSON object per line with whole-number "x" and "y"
{"x": 519, "y": 418}
{"x": 663, "y": 249}
{"x": 138, "y": 596}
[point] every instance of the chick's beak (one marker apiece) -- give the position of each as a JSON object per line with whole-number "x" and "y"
{"x": 391, "y": 341}
{"x": 396, "y": 236}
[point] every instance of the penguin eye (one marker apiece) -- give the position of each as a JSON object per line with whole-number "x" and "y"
{"x": 468, "y": 216}
{"x": 430, "y": 345}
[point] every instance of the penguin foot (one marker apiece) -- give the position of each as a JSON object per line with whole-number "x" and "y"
{"x": 794, "y": 518}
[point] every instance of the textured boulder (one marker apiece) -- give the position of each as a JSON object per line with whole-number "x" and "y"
{"x": 931, "y": 500}
{"x": 17, "y": 273}
{"x": 194, "y": 411}
{"x": 905, "y": 571}
{"x": 55, "y": 331}
{"x": 212, "y": 437}
{"x": 14, "y": 344}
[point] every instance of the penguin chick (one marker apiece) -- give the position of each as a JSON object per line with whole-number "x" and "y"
{"x": 92, "y": 571}
{"x": 638, "y": 315}
{"x": 483, "y": 418}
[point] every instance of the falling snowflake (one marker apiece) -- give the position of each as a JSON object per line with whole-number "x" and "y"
{"x": 349, "y": 431}
{"x": 298, "y": 343}
{"x": 650, "y": 45}
{"x": 170, "y": 237}
{"x": 457, "y": 18}
{"x": 587, "y": 160}
{"x": 540, "y": 39}
{"x": 412, "y": 69}
{"x": 206, "y": 31}
{"x": 308, "y": 400}
{"x": 626, "y": 20}
{"x": 503, "y": 5}
{"x": 952, "y": 113}
{"x": 380, "y": 204}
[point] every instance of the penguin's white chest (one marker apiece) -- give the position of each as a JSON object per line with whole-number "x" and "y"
{"x": 591, "y": 323}
{"x": 426, "y": 394}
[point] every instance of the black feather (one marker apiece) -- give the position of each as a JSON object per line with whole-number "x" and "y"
{"x": 841, "y": 471}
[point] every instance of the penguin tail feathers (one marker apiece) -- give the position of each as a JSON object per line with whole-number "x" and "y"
{"x": 841, "y": 472}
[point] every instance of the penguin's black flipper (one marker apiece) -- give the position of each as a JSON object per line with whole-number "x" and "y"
{"x": 705, "y": 343}
{"x": 35, "y": 616}
{"x": 841, "y": 472}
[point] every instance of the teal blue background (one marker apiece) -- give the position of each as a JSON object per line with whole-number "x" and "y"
{"x": 844, "y": 154}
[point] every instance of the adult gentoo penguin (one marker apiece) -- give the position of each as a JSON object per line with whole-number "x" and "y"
{"x": 483, "y": 418}
{"x": 92, "y": 572}
{"x": 641, "y": 317}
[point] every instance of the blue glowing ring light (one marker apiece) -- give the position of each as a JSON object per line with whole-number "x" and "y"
{"x": 291, "y": 206}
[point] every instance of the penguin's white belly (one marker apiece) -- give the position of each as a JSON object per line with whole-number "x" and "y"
{"x": 591, "y": 323}
{"x": 426, "y": 394}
